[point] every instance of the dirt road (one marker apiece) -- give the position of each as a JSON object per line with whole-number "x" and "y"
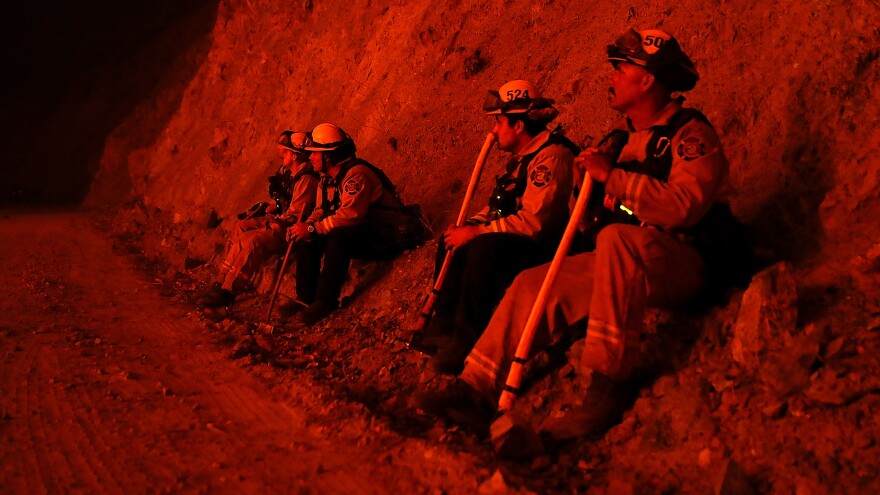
{"x": 107, "y": 387}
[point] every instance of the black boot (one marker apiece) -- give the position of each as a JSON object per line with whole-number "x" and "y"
{"x": 603, "y": 406}
{"x": 317, "y": 311}
{"x": 216, "y": 297}
{"x": 458, "y": 403}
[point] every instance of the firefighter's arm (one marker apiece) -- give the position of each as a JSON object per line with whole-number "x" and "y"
{"x": 545, "y": 200}
{"x": 318, "y": 213}
{"x": 697, "y": 179}
{"x": 303, "y": 200}
{"x": 480, "y": 218}
{"x": 358, "y": 191}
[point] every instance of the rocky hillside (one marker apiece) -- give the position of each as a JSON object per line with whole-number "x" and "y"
{"x": 792, "y": 89}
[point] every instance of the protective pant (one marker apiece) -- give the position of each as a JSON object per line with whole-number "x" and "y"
{"x": 478, "y": 274}
{"x": 337, "y": 249}
{"x": 250, "y": 245}
{"x": 632, "y": 268}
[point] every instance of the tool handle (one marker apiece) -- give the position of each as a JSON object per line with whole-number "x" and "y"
{"x": 514, "y": 377}
{"x": 278, "y": 282}
{"x": 428, "y": 308}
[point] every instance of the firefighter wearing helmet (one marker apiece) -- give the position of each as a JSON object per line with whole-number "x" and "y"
{"x": 661, "y": 179}
{"x": 260, "y": 231}
{"x": 520, "y": 226}
{"x": 356, "y": 209}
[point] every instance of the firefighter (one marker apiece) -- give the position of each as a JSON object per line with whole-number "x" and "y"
{"x": 662, "y": 178}
{"x": 347, "y": 223}
{"x": 261, "y": 233}
{"x": 518, "y": 229}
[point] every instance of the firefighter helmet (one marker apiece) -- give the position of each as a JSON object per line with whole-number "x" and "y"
{"x": 332, "y": 141}
{"x": 660, "y": 54}
{"x": 284, "y": 140}
{"x": 520, "y": 97}
{"x": 299, "y": 141}
{"x": 296, "y": 142}
{"x": 327, "y": 137}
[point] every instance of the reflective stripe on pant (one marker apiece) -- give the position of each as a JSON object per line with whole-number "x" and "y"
{"x": 632, "y": 268}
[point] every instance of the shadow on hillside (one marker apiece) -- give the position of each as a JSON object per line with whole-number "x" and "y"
{"x": 789, "y": 222}
{"x": 107, "y": 63}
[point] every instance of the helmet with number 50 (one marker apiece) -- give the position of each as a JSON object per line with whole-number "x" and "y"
{"x": 660, "y": 54}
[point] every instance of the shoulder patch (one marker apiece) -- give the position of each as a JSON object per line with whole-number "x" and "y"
{"x": 541, "y": 176}
{"x": 351, "y": 187}
{"x": 691, "y": 148}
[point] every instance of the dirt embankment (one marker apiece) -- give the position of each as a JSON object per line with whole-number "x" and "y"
{"x": 790, "y": 87}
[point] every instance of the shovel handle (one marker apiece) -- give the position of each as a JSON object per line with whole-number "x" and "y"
{"x": 514, "y": 377}
{"x": 278, "y": 283}
{"x": 428, "y": 308}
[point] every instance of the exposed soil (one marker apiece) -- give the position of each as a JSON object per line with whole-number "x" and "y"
{"x": 776, "y": 390}
{"x": 799, "y": 416}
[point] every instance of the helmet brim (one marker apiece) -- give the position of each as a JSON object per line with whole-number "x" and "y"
{"x": 616, "y": 54}
{"x": 507, "y": 112}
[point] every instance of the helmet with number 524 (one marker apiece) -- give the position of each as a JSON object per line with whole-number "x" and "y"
{"x": 520, "y": 97}
{"x": 660, "y": 54}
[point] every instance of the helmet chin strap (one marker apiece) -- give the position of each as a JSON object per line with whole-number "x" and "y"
{"x": 329, "y": 167}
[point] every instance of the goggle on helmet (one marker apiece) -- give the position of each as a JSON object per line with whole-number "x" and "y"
{"x": 294, "y": 141}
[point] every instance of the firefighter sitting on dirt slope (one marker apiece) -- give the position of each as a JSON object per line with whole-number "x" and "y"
{"x": 663, "y": 177}
{"x": 260, "y": 232}
{"x": 358, "y": 215}
{"x": 519, "y": 229}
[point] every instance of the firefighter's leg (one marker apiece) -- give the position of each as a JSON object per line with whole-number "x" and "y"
{"x": 568, "y": 304}
{"x": 231, "y": 261}
{"x": 635, "y": 266}
{"x": 308, "y": 267}
{"x": 492, "y": 261}
{"x": 341, "y": 246}
{"x": 443, "y": 319}
{"x": 256, "y": 246}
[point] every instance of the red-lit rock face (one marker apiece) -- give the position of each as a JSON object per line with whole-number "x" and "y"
{"x": 794, "y": 110}
{"x": 790, "y": 87}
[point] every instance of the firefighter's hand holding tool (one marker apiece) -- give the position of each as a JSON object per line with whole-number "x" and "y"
{"x": 456, "y": 237}
{"x": 300, "y": 232}
{"x": 595, "y": 163}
